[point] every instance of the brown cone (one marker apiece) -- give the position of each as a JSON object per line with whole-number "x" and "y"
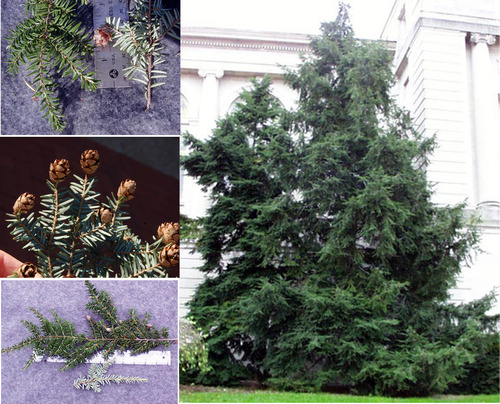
{"x": 169, "y": 232}
{"x": 169, "y": 256}
{"x": 59, "y": 170}
{"x": 24, "y": 203}
{"x": 28, "y": 270}
{"x": 127, "y": 189}
{"x": 89, "y": 160}
{"x": 103, "y": 35}
{"x": 106, "y": 215}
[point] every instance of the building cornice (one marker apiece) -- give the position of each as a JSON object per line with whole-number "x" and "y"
{"x": 482, "y": 26}
{"x": 244, "y": 40}
{"x": 492, "y": 29}
{"x": 233, "y": 50}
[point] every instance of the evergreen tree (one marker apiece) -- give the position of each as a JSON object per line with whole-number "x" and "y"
{"x": 330, "y": 266}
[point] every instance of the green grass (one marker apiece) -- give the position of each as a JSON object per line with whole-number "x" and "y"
{"x": 226, "y": 395}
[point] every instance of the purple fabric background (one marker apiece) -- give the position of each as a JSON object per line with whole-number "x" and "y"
{"x": 42, "y": 383}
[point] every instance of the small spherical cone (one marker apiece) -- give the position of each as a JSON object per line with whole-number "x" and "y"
{"x": 169, "y": 256}
{"x": 28, "y": 270}
{"x": 89, "y": 160}
{"x": 59, "y": 170}
{"x": 24, "y": 203}
{"x": 103, "y": 35}
{"x": 106, "y": 215}
{"x": 127, "y": 189}
{"x": 169, "y": 232}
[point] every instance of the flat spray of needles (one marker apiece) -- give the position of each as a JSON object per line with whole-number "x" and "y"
{"x": 52, "y": 43}
{"x": 75, "y": 235}
{"x": 140, "y": 38}
{"x": 58, "y": 338}
{"x": 98, "y": 376}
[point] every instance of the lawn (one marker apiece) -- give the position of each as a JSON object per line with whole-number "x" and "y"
{"x": 190, "y": 394}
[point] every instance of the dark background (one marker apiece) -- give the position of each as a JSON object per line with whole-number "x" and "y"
{"x": 43, "y": 383}
{"x": 152, "y": 162}
{"x": 104, "y": 112}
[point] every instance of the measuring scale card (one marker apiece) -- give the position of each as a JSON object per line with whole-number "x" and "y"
{"x": 150, "y": 358}
{"x": 110, "y": 61}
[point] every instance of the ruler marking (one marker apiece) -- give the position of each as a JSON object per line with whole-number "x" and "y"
{"x": 150, "y": 358}
{"x": 107, "y": 57}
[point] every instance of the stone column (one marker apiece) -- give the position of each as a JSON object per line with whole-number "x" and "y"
{"x": 199, "y": 202}
{"x": 486, "y": 127}
{"x": 209, "y": 106}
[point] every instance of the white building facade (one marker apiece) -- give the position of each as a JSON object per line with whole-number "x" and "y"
{"x": 447, "y": 63}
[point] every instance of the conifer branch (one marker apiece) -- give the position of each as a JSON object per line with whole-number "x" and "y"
{"x": 149, "y": 22}
{"x": 58, "y": 338}
{"x": 77, "y": 236}
{"x": 101, "y": 227}
{"x": 76, "y": 225}
{"x": 97, "y": 377}
{"x": 144, "y": 271}
{"x": 50, "y": 41}
{"x": 27, "y": 230}
{"x": 52, "y": 232}
{"x": 115, "y": 210}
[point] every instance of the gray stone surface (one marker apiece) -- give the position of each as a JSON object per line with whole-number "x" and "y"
{"x": 105, "y": 112}
{"x": 42, "y": 382}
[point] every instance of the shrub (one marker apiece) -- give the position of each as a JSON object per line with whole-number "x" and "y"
{"x": 193, "y": 355}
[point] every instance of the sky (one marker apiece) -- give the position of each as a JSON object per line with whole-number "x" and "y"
{"x": 367, "y": 16}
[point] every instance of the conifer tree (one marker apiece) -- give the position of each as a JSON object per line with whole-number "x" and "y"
{"x": 330, "y": 265}
{"x": 247, "y": 163}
